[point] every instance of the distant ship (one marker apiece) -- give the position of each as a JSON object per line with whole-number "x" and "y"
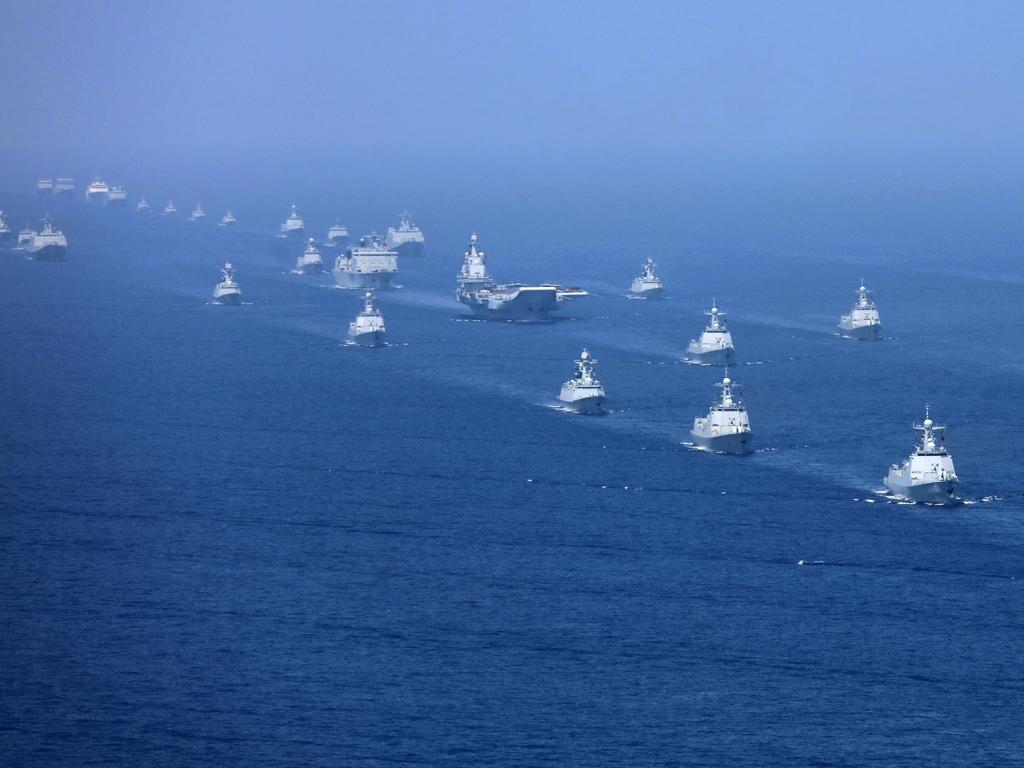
{"x": 116, "y": 196}
{"x": 228, "y": 220}
{"x": 310, "y": 263}
{"x": 338, "y": 235}
{"x": 368, "y": 328}
{"x": 367, "y": 265}
{"x": 48, "y": 245}
{"x": 44, "y": 186}
{"x": 927, "y": 475}
{"x": 142, "y": 206}
{"x": 97, "y": 191}
{"x": 198, "y": 214}
{"x": 406, "y": 239}
{"x": 24, "y": 238}
{"x": 5, "y": 231}
{"x": 647, "y": 285}
{"x": 863, "y": 322}
{"x": 169, "y": 209}
{"x": 227, "y": 291}
{"x": 583, "y": 392}
{"x": 293, "y": 226}
{"x": 726, "y": 428}
{"x": 715, "y": 344}
{"x": 64, "y": 185}
{"x": 493, "y": 301}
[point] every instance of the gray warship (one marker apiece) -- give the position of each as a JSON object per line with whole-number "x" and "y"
{"x": 293, "y": 226}
{"x": 515, "y": 302}
{"x": 368, "y": 330}
{"x": 5, "y": 231}
{"x": 406, "y": 238}
{"x": 647, "y": 285}
{"x": 367, "y": 265}
{"x": 726, "y": 428}
{"x": 714, "y": 346}
{"x": 309, "y": 263}
{"x": 227, "y": 290}
{"x": 48, "y": 245}
{"x": 927, "y": 475}
{"x": 583, "y": 392}
{"x": 863, "y": 322}
{"x": 337, "y": 235}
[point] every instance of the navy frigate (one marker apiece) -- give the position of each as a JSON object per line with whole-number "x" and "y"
{"x": 5, "y": 231}
{"x": 310, "y": 262}
{"x": 227, "y": 290}
{"x": 368, "y": 329}
{"x": 647, "y": 285}
{"x": 714, "y": 346}
{"x": 198, "y": 214}
{"x": 169, "y": 209}
{"x": 726, "y": 428}
{"x": 142, "y": 206}
{"x": 927, "y": 475}
{"x": 293, "y": 226}
{"x": 228, "y": 219}
{"x": 406, "y": 238}
{"x": 583, "y": 392}
{"x": 862, "y": 323}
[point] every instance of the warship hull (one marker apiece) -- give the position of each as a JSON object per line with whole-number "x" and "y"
{"x": 714, "y": 356}
{"x": 409, "y": 249}
{"x": 648, "y": 293}
{"x": 48, "y": 253}
{"x": 293, "y": 234}
{"x": 528, "y": 306}
{"x": 592, "y": 405}
{"x": 310, "y": 269}
{"x": 339, "y": 242}
{"x": 736, "y": 442}
{"x": 375, "y": 280}
{"x": 368, "y": 339}
{"x": 229, "y": 299}
{"x": 940, "y": 492}
{"x": 862, "y": 333}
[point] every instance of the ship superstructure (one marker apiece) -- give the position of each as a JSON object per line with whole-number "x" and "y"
{"x": 367, "y": 265}
{"x": 5, "y": 231}
{"x": 368, "y": 329}
{"x": 714, "y": 346}
{"x": 117, "y": 197}
{"x": 493, "y": 301}
{"x": 47, "y": 245}
{"x": 928, "y": 474}
{"x": 198, "y": 214}
{"x": 227, "y": 290}
{"x": 338, "y": 235}
{"x": 647, "y": 285}
{"x": 97, "y": 191}
{"x": 583, "y": 392}
{"x": 293, "y": 226}
{"x": 65, "y": 185}
{"x": 406, "y": 238}
{"x": 863, "y": 322}
{"x": 310, "y": 263}
{"x": 142, "y": 206}
{"x": 726, "y": 428}
{"x": 228, "y": 220}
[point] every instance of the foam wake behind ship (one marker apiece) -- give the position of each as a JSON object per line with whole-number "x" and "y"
{"x": 512, "y": 301}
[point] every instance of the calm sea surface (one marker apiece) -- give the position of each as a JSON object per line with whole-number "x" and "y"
{"x": 229, "y": 539}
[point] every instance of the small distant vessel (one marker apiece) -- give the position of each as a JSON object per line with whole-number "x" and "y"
{"x": 198, "y": 214}
{"x": 5, "y": 231}
{"x": 293, "y": 226}
{"x": 367, "y": 265}
{"x": 48, "y": 245}
{"x": 493, "y": 301}
{"x": 406, "y": 239}
{"x": 310, "y": 263}
{"x": 368, "y": 328}
{"x": 863, "y": 322}
{"x": 64, "y": 185}
{"x": 583, "y": 392}
{"x": 647, "y": 285}
{"x": 117, "y": 196}
{"x": 97, "y": 191}
{"x": 142, "y": 206}
{"x": 726, "y": 428}
{"x": 714, "y": 346}
{"x": 44, "y": 186}
{"x": 338, "y": 235}
{"x": 927, "y": 475}
{"x": 227, "y": 291}
{"x": 169, "y": 209}
{"x": 228, "y": 220}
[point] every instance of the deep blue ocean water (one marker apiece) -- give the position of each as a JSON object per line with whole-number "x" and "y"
{"x": 227, "y": 538}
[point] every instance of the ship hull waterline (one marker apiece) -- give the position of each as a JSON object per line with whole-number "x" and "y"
{"x": 737, "y": 443}
{"x": 939, "y": 492}
{"x": 862, "y": 333}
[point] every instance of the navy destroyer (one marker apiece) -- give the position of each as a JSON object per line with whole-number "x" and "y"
{"x": 367, "y": 265}
{"x": 64, "y": 185}
{"x": 726, "y": 428}
{"x": 227, "y": 290}
{"x": 293, "y": 226}
{"x": 142, "y": 206}
{"x": 228, "y": 220}
{"x": 310, "y": 263}
{"x": 406, "y": 239}
{"x": 48, "y": 245}
{"x": 96, "y": 191}
{"x": 583, "y": 392}
{"x": 927, "y": 475}
{"x": 117, "y": 197}
{"x": 169, "y": 209}
{"x": 198, "y": 214}
{"x": 714, "y": 346}
{"x": 513, "y": 301}
{"x": 647, "y": 285}
{"x": 367, "y": 329}
{"x": 863, "y": 322}
{"x": 338, "y": 235}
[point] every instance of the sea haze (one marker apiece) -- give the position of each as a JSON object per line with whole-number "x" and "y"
{"x": 230, "y": 539}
